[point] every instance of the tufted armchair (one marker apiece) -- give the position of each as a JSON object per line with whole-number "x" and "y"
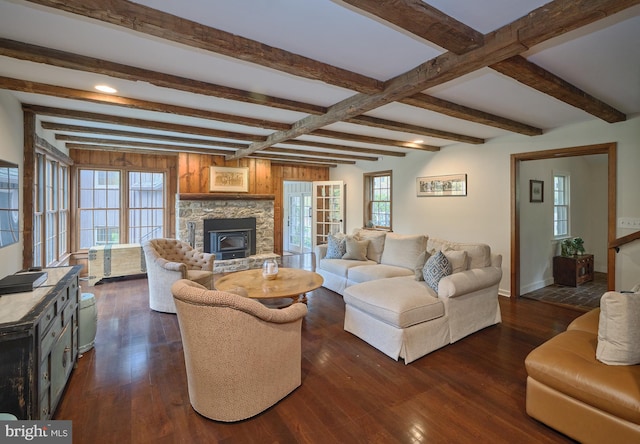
{"x": 169, "y": 260}
{"x": 241, "y": 357}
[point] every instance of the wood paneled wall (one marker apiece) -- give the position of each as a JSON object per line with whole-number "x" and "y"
{"x": 264, "y": 178}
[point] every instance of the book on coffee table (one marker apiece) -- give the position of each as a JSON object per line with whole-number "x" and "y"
{"x": 21, "y": 282}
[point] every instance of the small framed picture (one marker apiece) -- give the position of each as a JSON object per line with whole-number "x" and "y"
{"x": 536, "y": 191}
{"x": 229, "y": 179}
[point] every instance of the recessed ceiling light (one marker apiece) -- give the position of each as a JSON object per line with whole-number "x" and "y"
{"x": 106, "y": 89}
{"x": 418, "y": 141}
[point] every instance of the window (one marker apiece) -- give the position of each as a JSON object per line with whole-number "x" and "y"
{"x": 110, "y": 199}
{"x": 99, "y": 207}
{"x": 51, "y": 211}
{"x": 146, "y": 206}
{"x": 377, "y": 199}
{"x": 560, "y": 205}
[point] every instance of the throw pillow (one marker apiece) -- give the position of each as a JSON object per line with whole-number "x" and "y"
{"x": 436, "y": 267}
{"x": 336, "y": 246}
{"x": 422, "y": 259}
{"x": 619, "y": 329}
{"x": 356, "y": 249}
{"x": 402, "y": 250}
{"x": 376, "y": 242}
{"x": 458, "y": 260}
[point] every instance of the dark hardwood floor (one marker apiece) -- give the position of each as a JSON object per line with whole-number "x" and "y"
{"x": 131, "y": 388}
{"x": 585, "y": 296}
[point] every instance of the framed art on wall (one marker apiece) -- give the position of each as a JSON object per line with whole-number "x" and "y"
{"x": 450, "y": 185}
{"x": 536, "y": 191}
{"x": 229, "y": 179}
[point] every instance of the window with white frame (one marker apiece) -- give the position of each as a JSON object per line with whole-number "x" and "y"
{"x": 561, "y": 205}
{"x": 377, "y": 199}
{"x": 99, "y": 207}
{"x": 51, "y": 211}
{"x": 120, "y": 206}
{"x": 146, "y": 205}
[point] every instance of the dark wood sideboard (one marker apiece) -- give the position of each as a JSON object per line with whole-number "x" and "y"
{"x": 39, "y": 344}
{"x": 574, "y": 270}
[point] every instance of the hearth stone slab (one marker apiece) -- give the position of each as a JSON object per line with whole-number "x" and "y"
{"x": 246, "y": 263}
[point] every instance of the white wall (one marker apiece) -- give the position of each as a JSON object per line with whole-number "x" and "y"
{"x": 588, "y": 218}
{"x": 484, "y": 214}
{"x": 11, "y": 142}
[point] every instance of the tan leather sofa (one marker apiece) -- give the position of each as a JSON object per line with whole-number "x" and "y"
{"x": 573, "y": 392}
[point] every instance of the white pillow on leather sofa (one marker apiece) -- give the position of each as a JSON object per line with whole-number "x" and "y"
{"x": 619, "y": 329}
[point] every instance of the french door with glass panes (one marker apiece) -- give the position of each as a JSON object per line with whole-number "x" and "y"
{"x": 299, "y": 223}
{"x": 328, "y": 211}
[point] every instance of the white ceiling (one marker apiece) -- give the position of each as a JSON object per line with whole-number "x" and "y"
{"x": 602, "y": 59}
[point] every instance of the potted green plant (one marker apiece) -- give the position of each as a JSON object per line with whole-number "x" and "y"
{"x": 566, "y": 247}
{"x": 578, "y": 245}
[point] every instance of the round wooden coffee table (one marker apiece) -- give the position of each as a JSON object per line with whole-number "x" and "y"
{"x": 290, "y": 283}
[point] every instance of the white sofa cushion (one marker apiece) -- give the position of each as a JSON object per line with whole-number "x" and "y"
{"x": 457, "y": 259}
{"x": 367, "y": 273}
{"x": 402, "y": 250}
{"x": 356, "y": 250}
{"x": 400, "y": 302}
{"x": 479, "y": 255}
{"x": 376, "y": 242}
{"x": 340, "y": 267}
{"x": 619, "y": 329}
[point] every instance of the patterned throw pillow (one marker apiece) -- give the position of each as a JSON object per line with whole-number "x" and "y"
{"x": 436, "y": 267}
{"x": 336, "y": 247}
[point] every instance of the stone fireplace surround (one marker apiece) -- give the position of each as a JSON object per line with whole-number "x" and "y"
{"x": 196, "y": 207}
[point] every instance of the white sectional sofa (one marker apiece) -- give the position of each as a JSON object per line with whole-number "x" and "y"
{"x": 391, "y": 307}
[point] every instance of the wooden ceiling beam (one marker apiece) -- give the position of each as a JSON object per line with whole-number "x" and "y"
{"x": 55, "y": 126}
{"x": 548, "y": 21}
{"x": 137, "y": 149}
{"x": 376, "y": 140}
{"x": 540, "y": 79}
{"x": 425, "y": 21}
{"x": 265, "y": 155}
{"x": 210, "y": 149}
{"x": 330, "y": 146}
{"x": 451, "y": 109}
{"x": 139, "y": 123}
{"x": 149, "y": 21}
{"x": 62, "y": 59}
{"x": 146, "y": 105}
{"x": 414, "y": 129}
{"x": 200, "y": 131}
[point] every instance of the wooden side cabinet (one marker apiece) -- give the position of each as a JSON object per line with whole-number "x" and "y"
{"x": 573, "y": 271}
{"x": 39, "y": 344}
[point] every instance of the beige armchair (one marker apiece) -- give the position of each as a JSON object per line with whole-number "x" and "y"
{"x": 241, "y": 357}
{"x": 169, "y": 260}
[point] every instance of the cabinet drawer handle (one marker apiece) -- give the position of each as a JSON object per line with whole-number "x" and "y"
{"x": 45, "y": 376}
{"x": 49, "y": 317}
{"x": 65, "y": 356}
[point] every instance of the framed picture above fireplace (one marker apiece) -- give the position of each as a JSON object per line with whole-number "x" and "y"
{"x": 229, "y": 179}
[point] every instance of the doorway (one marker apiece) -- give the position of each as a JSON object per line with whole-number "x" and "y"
{"x": 516, "y": 197}
{"x": 297, "y": 217}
